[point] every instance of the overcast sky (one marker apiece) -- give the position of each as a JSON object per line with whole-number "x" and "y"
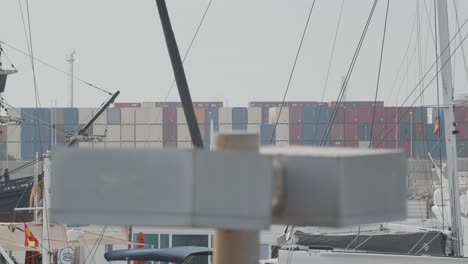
{"x": 244, "y": 51}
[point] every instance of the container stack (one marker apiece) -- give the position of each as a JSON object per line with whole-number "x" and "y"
{"x": 12, "y": 136}
{"x": 35, "y": 132}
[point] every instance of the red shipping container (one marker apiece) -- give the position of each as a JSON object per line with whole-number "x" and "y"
{"x": 169, "y": 132}
{"x": 295, "y": 115}
{"x": 358, "y": 114}
{"x": 125, "y": 105}
{"x": 378, "y": 132}
{"x": 337, "y": 132}
{"x": 404, "y": 114}
{"x": 390, "y": 115}
{"x": 461, "y": 114}
{"x": 265, "y": 115}
{"x": 462, "y": 131}
{"x": 391, "y": 132}
{"x": 339, "y": 116}
{"x": 3, "y": 133}
{"x": 351, "y": 132}
{"x": 170, "y": 144}
{"x": 419, "y": 132}
{"x": 296, "y": 134}
{"x": 351, "y": 143}
{"x": 169, "y": 115}
{"x": 390, "y": 144}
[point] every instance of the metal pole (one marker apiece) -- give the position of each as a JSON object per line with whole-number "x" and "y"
{"x": 449, "y": 125}
{"x": 36, "y": 174}
{"x": 411, "y": 134}
{"x": 179, "y": 74}
{"x": 236, "y": 246}
{"x": 70, "y": 59}
{"x": 45, "y": 212}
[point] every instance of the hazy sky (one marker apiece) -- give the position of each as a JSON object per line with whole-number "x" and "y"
{"x": 244, "y": 51}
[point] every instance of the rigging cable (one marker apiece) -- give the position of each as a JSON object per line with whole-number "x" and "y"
{"x": 438, "y": 103}
{"x": 427, "y": 72}
{"x": 378, "y": 74}
{"x": 329, "y": 67}
{"x": 425, "y": 88}
{"x": 56, "y": 68}
{"x": 189, "y": 47}
{"x": 36, "y": 90}
{"x": 348, "y": 75}
{"x": 291, "y": 74}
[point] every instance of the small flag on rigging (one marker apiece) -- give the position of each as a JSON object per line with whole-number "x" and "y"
{"x": 29, "y": 239}
{"x": 436, "y": 126}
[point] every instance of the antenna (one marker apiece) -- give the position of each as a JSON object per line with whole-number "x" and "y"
{"x": 70, "y": 59}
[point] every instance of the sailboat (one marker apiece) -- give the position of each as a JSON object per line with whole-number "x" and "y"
{"x": 447, "y": 199}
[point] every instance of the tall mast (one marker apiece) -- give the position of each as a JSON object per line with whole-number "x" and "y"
{"x": 70, "y": 59}
{"x": 449, "y": 125}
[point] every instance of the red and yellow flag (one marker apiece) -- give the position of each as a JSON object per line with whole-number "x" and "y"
{"x": 436, "y": 126}
{"x": 29, "y": 239}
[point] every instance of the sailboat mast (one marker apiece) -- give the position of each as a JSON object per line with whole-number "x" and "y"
{"x": 449, "y": 125}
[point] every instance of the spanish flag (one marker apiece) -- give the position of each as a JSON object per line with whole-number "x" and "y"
{"x": 29, "y": 239}
{"x": 436, "y": 126}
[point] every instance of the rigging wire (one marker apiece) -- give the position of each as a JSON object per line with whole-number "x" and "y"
{"x": 378, "y": 74}
{"x": 329, "y": 67}
{"x": 438, "y": 101}
{"x": 56, "y": 68}
{"x": 425, "y": 75}
{"x": 291, "y": 74}
{"x": 348, "y": 75}
{"x": 457, "y": 21}
{"x": 190, "y": 46}
{"x": 425, "y": 88}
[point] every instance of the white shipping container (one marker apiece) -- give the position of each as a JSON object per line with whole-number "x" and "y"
{"x": 148, "y": 132}
{"x": 99, "y": 145}
{"x": 148, "y": 144}
{"x": 184, "y": 145}
{"x": 148, "y": 104}
{"x": 183, "y": 133}
{"x": 181, "y": 116}
{"x": 14, "y": 150}
{"x": 127, "y": 145}
{"x": 86, "y": 145}
{"x": 15, "y": 113}
{"x": 282, "y": 132}
{"x": 113, "y": 133}
{"x": 127, "y": 133}
{"x": 225, "y": 128}
{"x": 113, "y": 145}
{"x": 254, "y": 115}
{"x": 417, "y": 209}
{"x": 102, "y": 119}
{"x": 84, "y": 114}
{"x": 148, "y": 115}
{"x": 282, "y": 143}
{"x": 127, "y": 115}
{"x": 13, "y": 133}
{"x": 253, "y": 128}
{"x": 283, "y": 116}
{"x": 99, "y": 130}
{"x": 363, "y": 144}
{"x": 225, "y": 115}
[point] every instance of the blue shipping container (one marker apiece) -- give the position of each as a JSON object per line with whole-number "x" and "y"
{"x": 420, "y": 149}
{"x": 430, "y": 132}
{"x": 113, "y": 116}
{"x": 30, "y": 132}
{"x": 420, "y": 115}
{"x": 266, "y": 134}
{"x": 436, "y": 150}
{"x": 314, "y": 132}
{"x": 318, "y": 114}
{"x": 316, "y": 143}
{"x": 31, "y": 116}
{"x": 29, "y": 149}
{"x": 405, "y": 131}
{"x": 364, "y": 132}
{"x": 239, "y": 115}
{"x": 70, "y": 116}
{"x": 239, "y": 126}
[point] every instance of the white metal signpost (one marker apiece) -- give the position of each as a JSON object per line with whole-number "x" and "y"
{"x": 234, "y": 187}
